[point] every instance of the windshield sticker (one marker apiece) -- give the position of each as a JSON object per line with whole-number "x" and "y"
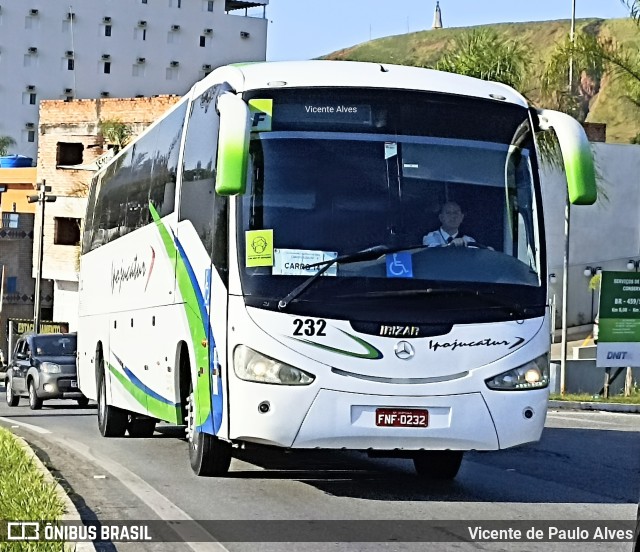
{"x": 259, "y": 247}
{"x": 261, "y": 114}
{"x": 390, "y": 149}
{"x": 295, "y": 262}
{"x": 399, "y": 265}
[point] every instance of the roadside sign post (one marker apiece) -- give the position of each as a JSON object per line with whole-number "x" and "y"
{"x": 619, "y": 336}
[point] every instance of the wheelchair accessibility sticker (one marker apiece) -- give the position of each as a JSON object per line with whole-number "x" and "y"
{"x": 399, "y": 265}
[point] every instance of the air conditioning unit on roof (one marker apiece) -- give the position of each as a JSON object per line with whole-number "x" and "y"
{"x": 206, "y": 67}
{"x": 174, "y": 63}
{"x": 68, "y": 90}
{"x": 208, "y": 31}
{"x": 244, "y": 34}
{"x": 140, "y": 60}
{"x": 106, "y": 57}
{"x": 33, "y": 50}
{"x": 30, "y": 87}
{"x": 104, "y": 94}
{"x": 33, "y": 12}
{"x": 29, "y": 125}
{"x": 106, "y": 19}
{"x": 69, "y": 53}
{"x": 175, "y": 27}
{"x": 142, "y": 23}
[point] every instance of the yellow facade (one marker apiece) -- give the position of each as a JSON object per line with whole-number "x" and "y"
{"x": 18, "y": 184}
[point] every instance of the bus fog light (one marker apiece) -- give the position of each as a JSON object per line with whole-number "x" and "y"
{"x": 250, "y": 365}
{"x": 532, "y": 375}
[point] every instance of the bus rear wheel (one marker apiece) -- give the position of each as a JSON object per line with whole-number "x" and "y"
{"x": 209, "y": 456}
{"x": 437, "y": 464}
{"x": 112, "y": 422}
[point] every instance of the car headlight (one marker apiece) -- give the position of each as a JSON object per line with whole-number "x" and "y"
{"x": 50, "y": 368}
{"x": 532, "y": 375}
{"x": 250, "y": 365}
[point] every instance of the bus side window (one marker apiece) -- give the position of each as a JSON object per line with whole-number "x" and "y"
{"x": 199, "y": 203}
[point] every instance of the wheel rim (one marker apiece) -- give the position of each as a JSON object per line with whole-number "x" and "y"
{"x": 101, "y": 402}
{"x": 191, "y": 423}
{"x": 9, "y": 391}
{"x": 32, "y": 393}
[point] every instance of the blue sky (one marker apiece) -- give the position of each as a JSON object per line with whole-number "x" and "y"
{"x": 304, "y": 29}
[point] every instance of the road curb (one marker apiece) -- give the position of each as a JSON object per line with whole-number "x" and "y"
{"x": 71, "y": 513}
{"x": 596, "y": 406}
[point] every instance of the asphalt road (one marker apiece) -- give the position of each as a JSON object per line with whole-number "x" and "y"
{"x": 586, "y": 467}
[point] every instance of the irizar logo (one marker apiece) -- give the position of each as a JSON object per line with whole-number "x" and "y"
{"x": 399, "y": 331}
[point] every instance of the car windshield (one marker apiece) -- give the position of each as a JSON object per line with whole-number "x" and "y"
{"x": 380, "y": 171}
{"x": 49, "y": 345}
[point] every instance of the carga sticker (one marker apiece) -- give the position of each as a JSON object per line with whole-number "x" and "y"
{"x": 259, "y": 247}
{"x": 399, "y": 265}
{"x": 295, "y": 262}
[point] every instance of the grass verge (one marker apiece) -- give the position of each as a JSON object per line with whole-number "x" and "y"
{"x": 25, "y": 495}
{"x": 634, "y": 398}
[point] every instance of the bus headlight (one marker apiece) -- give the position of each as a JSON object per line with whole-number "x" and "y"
{"x": 250, "y": 365}
{"x": 532, "y": 375}
{"x": 50, "y": 368}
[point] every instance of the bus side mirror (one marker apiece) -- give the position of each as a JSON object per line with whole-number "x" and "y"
{"x": 233, "y": 145}
{"x": 577, "y": 156}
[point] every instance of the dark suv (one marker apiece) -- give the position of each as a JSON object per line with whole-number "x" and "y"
{"x": 43, "y": 367}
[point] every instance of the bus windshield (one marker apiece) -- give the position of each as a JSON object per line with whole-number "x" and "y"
{"x": 325, "y": 188}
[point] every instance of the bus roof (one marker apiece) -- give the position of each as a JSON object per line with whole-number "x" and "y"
{"x": 325, "y": 73}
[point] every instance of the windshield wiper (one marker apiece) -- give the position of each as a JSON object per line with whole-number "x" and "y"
{"x": 367, "y": 254}
{"x": 510, "y": 306}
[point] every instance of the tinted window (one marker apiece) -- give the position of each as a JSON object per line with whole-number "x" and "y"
{"x": 199, "y": 202}
{"x": 144, "y": 173}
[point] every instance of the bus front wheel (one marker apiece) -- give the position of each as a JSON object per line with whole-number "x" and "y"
{"x": 209, "y": 456}
{"x": 437, "y": 464}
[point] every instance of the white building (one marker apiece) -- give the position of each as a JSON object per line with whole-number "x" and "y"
{"x": 59, "y": 49}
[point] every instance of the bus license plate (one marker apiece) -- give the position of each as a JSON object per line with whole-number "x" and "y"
{"x": 401, "y": 417}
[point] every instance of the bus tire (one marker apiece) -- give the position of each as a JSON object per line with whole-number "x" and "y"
{"x": 208, "y": 455}
{"x": 437, "y": 464}
{"x": 112, "y": 421}
{"x": 140, "y": 426}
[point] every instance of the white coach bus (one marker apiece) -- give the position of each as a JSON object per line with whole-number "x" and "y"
{"x": 254, "y": 265}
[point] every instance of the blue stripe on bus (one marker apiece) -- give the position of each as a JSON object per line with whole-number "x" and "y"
{"x": 134, "y": 379}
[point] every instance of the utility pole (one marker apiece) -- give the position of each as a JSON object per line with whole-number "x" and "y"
{"x": 42, "y": 198}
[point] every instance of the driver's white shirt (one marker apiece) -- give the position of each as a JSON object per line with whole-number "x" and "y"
{"x": 440, "y": 237}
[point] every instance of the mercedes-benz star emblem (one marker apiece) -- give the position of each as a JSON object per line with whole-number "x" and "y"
{"x": 404, "y": 350}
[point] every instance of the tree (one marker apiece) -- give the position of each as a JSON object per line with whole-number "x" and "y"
{"x": 634, "y": 8}
{"x": 115, "y": 133}
{"x": 5, "y": 142}
{"x": 484, "y": 54}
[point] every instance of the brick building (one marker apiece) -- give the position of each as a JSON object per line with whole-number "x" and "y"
{"x": 70, "y": 145}
{"x": 16, "y": 251}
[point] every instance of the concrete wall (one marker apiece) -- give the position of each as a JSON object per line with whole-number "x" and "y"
{"x": 606, "y": 234}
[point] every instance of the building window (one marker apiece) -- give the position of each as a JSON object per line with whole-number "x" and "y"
{"x": 32, "y": 99}
{"x": 69, "y": 153}
{"x": 203, "y": 41}
{"x": 67, "y": 231}
{"x": 70, "y": 64}
{"x": 31, "y": 136}
{"x": 107, "y": 30}
{"x": 107, "y": 67}
{"x": 10, "y": 220}
{"x": 144, "y": 1}
{"x": 12, "y": 284}
{"x": 210, "y": 5}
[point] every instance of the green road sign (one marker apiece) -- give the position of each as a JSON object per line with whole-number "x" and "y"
{"x": 619, "y": 336}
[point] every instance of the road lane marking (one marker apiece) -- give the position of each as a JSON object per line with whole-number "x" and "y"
{"x": 30, "y": 427}
{"x": 157, "y": 502}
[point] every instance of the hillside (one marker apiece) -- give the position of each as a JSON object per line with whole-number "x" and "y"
{"x": 425, "y": 47}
